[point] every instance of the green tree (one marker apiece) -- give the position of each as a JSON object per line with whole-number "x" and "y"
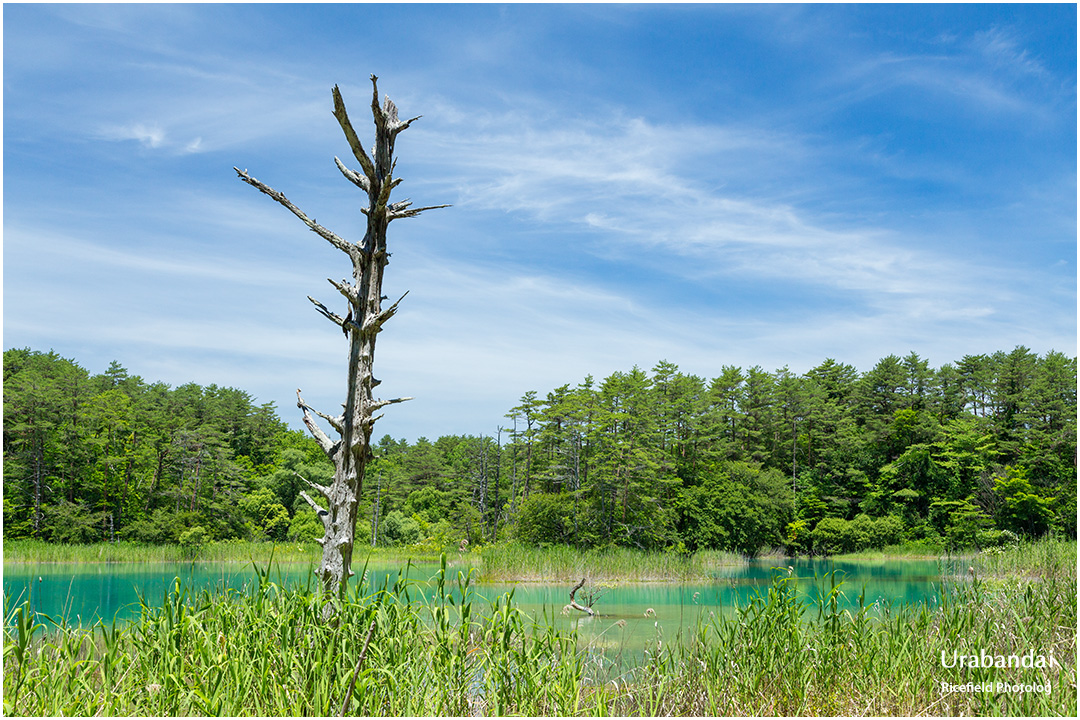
{"x": 1021, "y": 509}
{"x": 736, "y": 507}
{"x": 722, "y": 416}
{"x": 269, "y": 518}
{"x": 546, "y": 519}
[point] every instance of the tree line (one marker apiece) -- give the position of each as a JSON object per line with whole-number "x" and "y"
{"x": 969, "y": 454}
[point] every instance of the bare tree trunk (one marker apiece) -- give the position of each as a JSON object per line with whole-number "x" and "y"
{"x": 161, "y": 455}
{"x": 361, "y": 324}
{"x": 498, "y": 473}
{"x": 198, "y": 481}
{"x": 39, "y": 479}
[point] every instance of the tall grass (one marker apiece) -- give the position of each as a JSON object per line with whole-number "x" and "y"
{"x": 561, "y": 563}
{"x": 912, "y": 549}
{"x": 266, "y": 651}
{"x": 1048, "y": 557}
{"x": 37, "y": 551}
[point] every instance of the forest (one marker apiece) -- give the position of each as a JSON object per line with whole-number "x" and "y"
{"x": 976, "y": 453}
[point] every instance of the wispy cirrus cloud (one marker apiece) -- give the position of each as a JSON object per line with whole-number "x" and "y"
{"x": 690, "y": 199}
{"x": 1005, "y": 51}
{"x": 148, "y": 135}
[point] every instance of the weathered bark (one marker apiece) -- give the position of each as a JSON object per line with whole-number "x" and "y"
{"x": 375, "y": 510}
{"x": 498, "y": 473}
{"x": 361, "y": 324}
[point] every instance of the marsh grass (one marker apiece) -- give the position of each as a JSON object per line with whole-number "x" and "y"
{"x": 37, "y": 551}
{"x": 1048, "y": 557}
{"x": 263, "y": 650}
{"x": 909, "y": 550}
{"x": 561, "y": 563}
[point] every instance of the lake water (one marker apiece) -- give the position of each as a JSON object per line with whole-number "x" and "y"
{"x": 85, "y": 592}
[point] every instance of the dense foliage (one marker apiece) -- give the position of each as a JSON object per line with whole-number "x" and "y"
{"x": 970, "y": 454}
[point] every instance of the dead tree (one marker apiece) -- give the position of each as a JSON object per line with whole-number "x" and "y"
{"x": 363, "y": 320}
{"x": 590, "y": 599}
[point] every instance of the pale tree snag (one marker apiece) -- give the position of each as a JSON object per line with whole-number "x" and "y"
{"x": 361, "y": 324}
{"x": 587, "y": 608}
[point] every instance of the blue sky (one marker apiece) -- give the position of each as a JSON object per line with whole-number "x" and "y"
{"x": 710, "y": 185}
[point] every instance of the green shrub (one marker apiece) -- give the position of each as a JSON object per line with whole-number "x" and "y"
{"x": 797, "y": 537}
{"x": 161, "y": 527}
{"x": 396, "y": 529}
{"x": 1021, "y": 508}
{"x": 832, "y": 536}
{"x": 545, "y": 519}
{"x": 72, "y": 524}
{"x": 874, "y": 533}
{"x": 995, "y": 538}
{"x": 194, "y": 537}
{"x": 305, "y": 526}
{"x": 959, "y": 522}
{"x": 836, "y": 535}
{"x": 735, "y": 507}
{"x": 270, "y": 519}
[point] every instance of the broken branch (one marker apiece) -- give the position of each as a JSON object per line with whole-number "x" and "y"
{"x": 354, "y": 177}
{"x": 321, "y": 489}
{"x": 350, "y": 135}
{"x": 331, "y": 316}
{"x": 320, "y": 437}
{"x": 315, "y": 227}
{"x": 393, "y": 214}
{"x": 377, "y": 404}
{"x": 345, "y": 289}
{"x": 319, "y": 510}
{"x": 375, "y": 323}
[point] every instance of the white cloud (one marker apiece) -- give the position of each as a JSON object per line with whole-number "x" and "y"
{"x": 661, "y": 193}
{"x": 42, "y": 247}
{"x": 184, "y": 281}
{"x": 147, "y": 135}
{"x": 1003, "y": 49}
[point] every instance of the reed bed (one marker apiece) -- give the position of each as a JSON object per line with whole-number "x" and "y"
{"x": 561, "y": 563}
{"x": 266, "y": 651}
{"x": 37, "y": 551}
{"x": 1048, "y": 557}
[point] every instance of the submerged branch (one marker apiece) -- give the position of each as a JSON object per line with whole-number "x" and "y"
{"x": 574, "y": 604}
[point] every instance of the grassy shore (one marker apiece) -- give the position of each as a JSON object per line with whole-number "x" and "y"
{"x": 513, "y": 562}
{"x": 36, "y": 551}
{"x": 496, "y": 563}
{"x": 267, "y": 653}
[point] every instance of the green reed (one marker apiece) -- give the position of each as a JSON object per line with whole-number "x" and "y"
{"x": 1049, "y": 557}
{"x": 264, "y": 650}
{"x": 37, "y": 551}
{"x": 561, "y": 563}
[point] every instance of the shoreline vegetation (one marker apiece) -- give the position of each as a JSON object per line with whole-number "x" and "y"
{"x": 978, "y": 453}
{"x": 266, "y": 652}
{"x": 513, "y": 562}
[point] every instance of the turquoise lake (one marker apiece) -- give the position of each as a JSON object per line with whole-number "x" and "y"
{"x": 628, "y": 612}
